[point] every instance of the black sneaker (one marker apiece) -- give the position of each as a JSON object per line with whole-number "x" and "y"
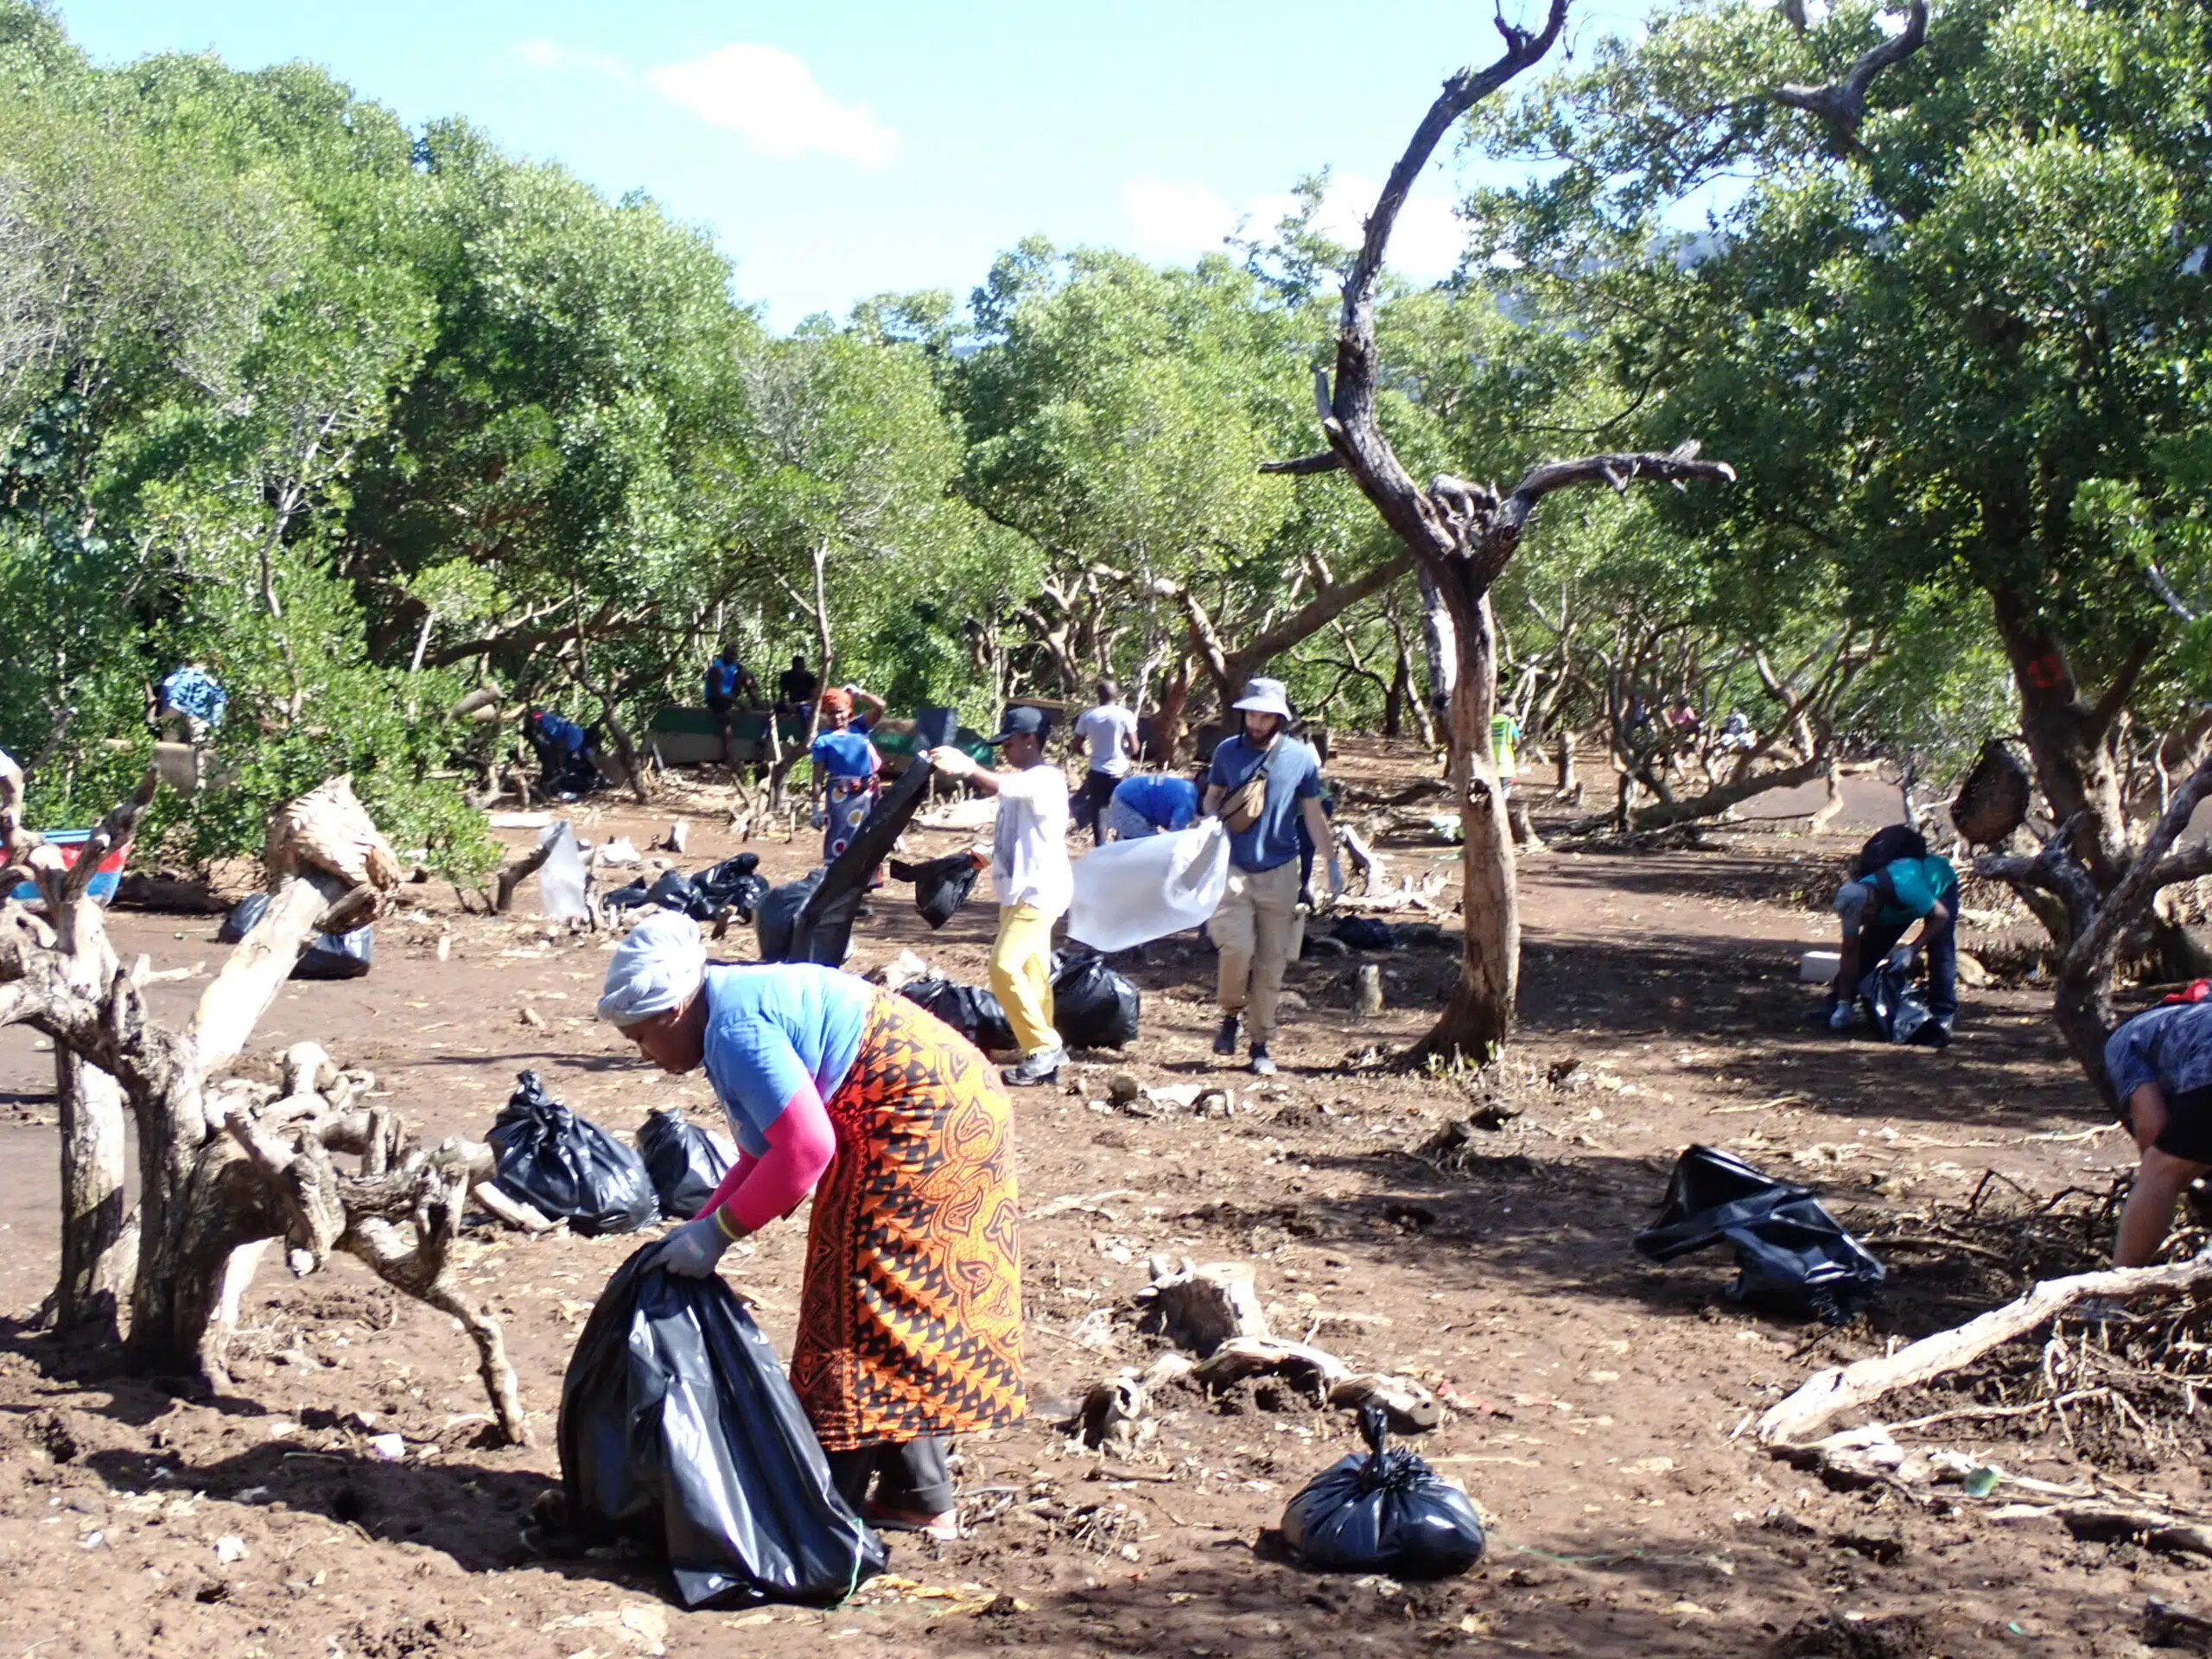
{"x": 1225, "y": 1041}
{"x": 1264, "y": 1064}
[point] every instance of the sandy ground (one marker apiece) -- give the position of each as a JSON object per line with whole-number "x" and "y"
{"x": 1627, "y": 1517}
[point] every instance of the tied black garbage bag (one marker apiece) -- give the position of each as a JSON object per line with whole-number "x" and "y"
{"x": 941, "y": 885}
{"x": 1789, "y": 1251}
{"x": 1093, "y": 1007}
{"x": 973, "y": 1014}
{"x": 332, "y": 956}
{"x": 1387, "y": 1512}
{"x": 679, "y": 1428}
{"x": 568, "y": 1167}
{"x": 1895, "y": 1005}
{"x": 673, "y": 890}
{"x": 684, "y": 1162}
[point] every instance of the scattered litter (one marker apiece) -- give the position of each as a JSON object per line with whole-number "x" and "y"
{"x": 1791, "y": 1251}
{"x": 230, "y": 1548}
{"x": 392, "y": 1448}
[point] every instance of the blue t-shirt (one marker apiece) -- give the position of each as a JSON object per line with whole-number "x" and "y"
{"x": 1919, "y": 884}
{"x": 722, "y": 678}
{"x": 562, "y": 732}
{"x": 1161, "y": 799}
{"x": 769, "y": 1029}
{"x": 846, "y": 753}
{"x": 194, "y": 691}
{"x": 1294, "y": 776}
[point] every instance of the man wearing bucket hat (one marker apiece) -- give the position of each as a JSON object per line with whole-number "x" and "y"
{"x": 1030, "y": 870}
{"x": 1262, "y": 784}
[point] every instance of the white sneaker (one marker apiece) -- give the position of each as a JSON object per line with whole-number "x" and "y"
{"x": 1043, "y": 1066}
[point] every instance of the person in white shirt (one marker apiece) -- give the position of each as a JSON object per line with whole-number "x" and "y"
{"x": 1111, "y": 731}
{"x": 1030, "y": 870}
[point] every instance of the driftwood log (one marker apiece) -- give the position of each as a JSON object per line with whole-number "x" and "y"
{"x": 225, "y": 1165}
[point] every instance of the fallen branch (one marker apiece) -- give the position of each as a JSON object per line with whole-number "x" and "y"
{"x": 1829, "y": 1393}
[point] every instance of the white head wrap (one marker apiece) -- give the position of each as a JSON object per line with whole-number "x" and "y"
{"x": 656, "y": 969}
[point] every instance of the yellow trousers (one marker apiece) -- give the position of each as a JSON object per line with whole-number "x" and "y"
{"x": 1022, "y": 976}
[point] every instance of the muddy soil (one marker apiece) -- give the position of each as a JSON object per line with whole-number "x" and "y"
{"x": 1629, "y": 1513}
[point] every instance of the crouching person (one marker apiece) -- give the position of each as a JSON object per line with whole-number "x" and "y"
{"x": 2160, "y": 1065}
{"x": 1894, "y": 883}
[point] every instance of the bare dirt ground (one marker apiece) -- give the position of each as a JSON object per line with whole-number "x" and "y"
{"x": 1627, "y": 1517}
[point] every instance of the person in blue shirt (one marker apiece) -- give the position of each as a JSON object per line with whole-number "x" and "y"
{"x": 190, "y": 697}
{"x": 1256, "y": 928}
{"x": 567, "y": 753}
{"x": 1896, "y": 883}
{"x": 1147, "y": 803}
{"x": 848, "y": 771}
{"x": 727, "y": 680}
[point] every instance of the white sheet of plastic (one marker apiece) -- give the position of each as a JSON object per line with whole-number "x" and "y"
{"x": 561, "y": 879}
{"x": 1128, "y": 892}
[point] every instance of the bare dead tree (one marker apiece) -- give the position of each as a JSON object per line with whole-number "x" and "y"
{"x": 226, "y": 1166}
{"x": 1463, "y": 535}
{"x": 1840, "y": 105}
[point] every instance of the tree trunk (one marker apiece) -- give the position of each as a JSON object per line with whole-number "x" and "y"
{"x": 96, "y": 1252}
{"x": 1569, "y": 786}
{"x": 2067, "y": 738}
{"x": 1476, "y": 1023}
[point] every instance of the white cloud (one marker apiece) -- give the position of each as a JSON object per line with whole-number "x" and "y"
{"x": 772, "y": 99}
{"x": 551, "y": 54}
{"x": 1167, "y": 220}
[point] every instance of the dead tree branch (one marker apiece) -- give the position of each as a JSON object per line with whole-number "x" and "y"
{"x": 1840, "y": 105}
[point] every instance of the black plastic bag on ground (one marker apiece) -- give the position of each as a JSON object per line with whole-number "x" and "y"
{"x": 1387, "y": 1512}
{"x": 672, "y": 890}
{"x": 973, "y": 1014}
{"x": 685, "y": 1162}
{"x": 332, "y": 956}
{"x": 678, "y": 1428}
{"x": 732, "y": 885}
{"x": 1894, "y": 1003}
{"x": 626, "y": 898}
{"x": 1789, "y": 1251}
{"x": 1365, "y": 933}
{"x": 1093, "y": 1007}
{"x": 566, "y": 1167}
{"x": 941, "y": 885}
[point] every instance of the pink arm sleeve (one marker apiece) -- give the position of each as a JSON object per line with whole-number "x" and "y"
{"x": 801, "y": 1143}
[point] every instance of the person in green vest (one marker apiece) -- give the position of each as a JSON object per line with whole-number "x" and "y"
{"x": 1504, "y": 737}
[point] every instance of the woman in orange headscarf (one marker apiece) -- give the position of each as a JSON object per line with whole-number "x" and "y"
{"x": 848, "y": 771}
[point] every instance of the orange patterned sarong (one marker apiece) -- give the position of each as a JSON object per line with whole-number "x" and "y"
{"x": 910, "y": 1321}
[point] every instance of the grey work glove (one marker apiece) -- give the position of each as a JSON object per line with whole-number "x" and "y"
{"x": 692, "y": 1249}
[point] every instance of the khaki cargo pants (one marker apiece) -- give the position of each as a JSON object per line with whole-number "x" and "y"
{"x": 1257, "y": 930}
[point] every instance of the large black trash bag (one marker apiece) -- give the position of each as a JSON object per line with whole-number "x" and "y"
{"x": 685, "y": 1162}
{"x": 941, "y": 885}
{"x": 824, "y": 931}
{"x": 566, "y": 1167}
{"x": 1894, "y": 1003}
{"x": 332, "y": 956}
{"x": 1789, "y": 1251}
{"x": 679, "y": 1428}
{"x": 1387, "y": 1512}
{"x": 975, "y": 1015}
{"x": 672, "y": 890}
{"x": 776, "y": 921}
{"x": 1093, "y": 1007}
{"x": 734, "y": 885}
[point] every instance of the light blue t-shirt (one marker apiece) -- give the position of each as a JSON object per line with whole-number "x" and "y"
{"x": 1294, "y": 776}
{"x": 770, "y": 1028}
{"x": 846, "y": 753}
{"x": 1162, "y": 799}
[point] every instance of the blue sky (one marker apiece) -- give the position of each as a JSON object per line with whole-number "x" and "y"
{"x": 844, "y": 149}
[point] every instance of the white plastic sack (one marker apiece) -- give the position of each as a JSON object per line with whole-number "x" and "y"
{"x": 1128, "y": 892}
{"x": 561, "y": 878}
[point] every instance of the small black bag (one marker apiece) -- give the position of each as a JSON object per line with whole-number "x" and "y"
{"x": 678, "y": 1427}
{"x": 732, "y": 885}
{"x": 673, "y": 890}
{"x": 685, "y": 1162}
{"x": 332, "y": 956}
{"x": 973, "y": 1014}
{"x": 1387, "y": 1512}
{"x": 568, "y": 1167}
{"x": 1789, "y": 1251}
{"x": 941, "y": 885}
{"x": 1093, "y": 1007}
{"x": 1894, "y": 1003}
